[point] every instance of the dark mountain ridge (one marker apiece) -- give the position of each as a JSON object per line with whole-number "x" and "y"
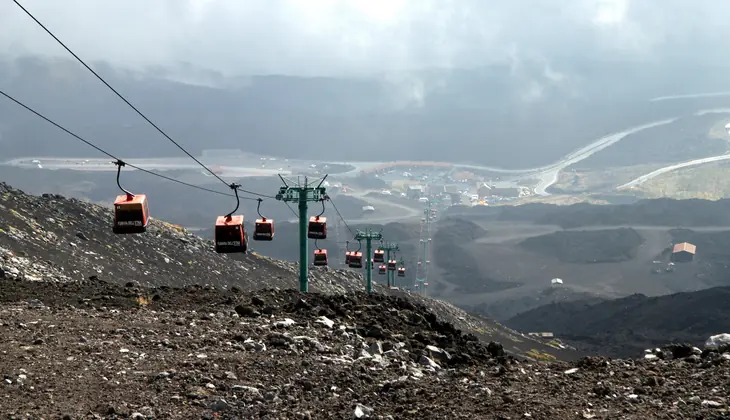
{"x": 474, "y": 111}
{"x": 653, "y": 212}
{"x": 625, "y": 327}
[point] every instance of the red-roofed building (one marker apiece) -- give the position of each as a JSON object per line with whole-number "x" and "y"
{"x": 683, "y": 252}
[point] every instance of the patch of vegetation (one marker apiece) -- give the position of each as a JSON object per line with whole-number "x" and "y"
{"x": 585, "y": 180}
{"x": 542, "y": 356}
{"x": 707, "y": 182}
{"x": 688, "y": 138}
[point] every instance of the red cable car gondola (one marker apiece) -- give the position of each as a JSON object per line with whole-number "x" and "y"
{"x": 347, "y": 253}
{"x": 382, "y": 269}
{"x": 230, "y": 235}
{"x": 379, "y": 256}
{"x": 320, "y": 257}
{"x": 355, "y": 260}
{"x": 264, "y": 228}
{"x": 318, "y": 226}
{"x": 392, "y": 265}
{"x": 401, "y": 272}
{"x": 131, "y": 212}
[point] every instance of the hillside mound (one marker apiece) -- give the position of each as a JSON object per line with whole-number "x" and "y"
{"x": 510, "y": 307}
{"x": 460, "y": 230}
{"x": 92, "y": 349}
{"x": 656, "y": 212}
{"x": 454, "y": 256}
{"x": 588, "y": 246}
{"x": 51, "y": 239}
{"x": 625, "y": 327}
{"x": 58, "y": 239}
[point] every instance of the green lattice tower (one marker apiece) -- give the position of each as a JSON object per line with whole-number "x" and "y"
{"x": 368, "y": 236}
{"x": 302, "y": 194}
{"x": 388, "y": 248}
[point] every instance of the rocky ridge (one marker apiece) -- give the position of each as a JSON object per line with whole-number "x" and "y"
{"x": 59, "y": 239}
{"x": 107, "y": 328}
{"x": 52, "y": 239}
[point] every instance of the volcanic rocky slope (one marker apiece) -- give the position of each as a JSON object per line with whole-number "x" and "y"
{"x": 85, "y": 337}
{"x": 54, "y": 239}
{"x": 91, "y": 349}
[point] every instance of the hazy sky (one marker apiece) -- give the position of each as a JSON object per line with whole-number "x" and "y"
{"x": 363, "y": 36}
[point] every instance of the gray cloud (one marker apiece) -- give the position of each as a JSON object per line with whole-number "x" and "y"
{"x": 320, "y": 37}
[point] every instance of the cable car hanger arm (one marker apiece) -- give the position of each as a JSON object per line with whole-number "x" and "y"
{"x": 119, "y": 164}
{"x": 234, "y": 187}
{"x": 258, "y": 209}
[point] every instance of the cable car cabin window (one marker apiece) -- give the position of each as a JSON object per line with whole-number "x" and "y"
{"x": 131, "y": 214}
{"x": 381, "y": 269}
{"x": 392, "y": 265}
{"x": 347, "y": 257}
{"x": 230, "y": 235}
{"x": 379, "y": 256}
{"x": 317, "y": 228}
{"x": 401, "y": 272}
{"x": 320, "y": 257}
{"x": 355, "y": 260}
{"x": 263, "y": 230}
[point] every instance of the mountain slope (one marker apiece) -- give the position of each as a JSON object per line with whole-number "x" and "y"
{"x": 70, "y": 240}
{"x": 56, "y": 240}
{"x": 625, "y": 327}
{"x": 654, "y": 212}
{"x": 77, "y": 346}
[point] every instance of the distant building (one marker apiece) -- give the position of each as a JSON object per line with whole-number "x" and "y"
{"x": 484, "y": 190}
{"x": 495, "y": 190}
{"x": 415, "y": 191}
{"x": 683, "y": 252}
{"x": 452, "y": 191}
{"x": 436, "y": 189}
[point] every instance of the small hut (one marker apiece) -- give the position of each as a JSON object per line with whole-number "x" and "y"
{"x": 683, "y": 252}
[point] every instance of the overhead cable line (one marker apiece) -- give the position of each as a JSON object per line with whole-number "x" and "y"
{"x": 352, "y": 232}
{"x": 129, "y": 103}
{"x": 88, "y": 143}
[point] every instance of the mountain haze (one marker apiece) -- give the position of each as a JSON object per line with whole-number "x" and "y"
{"x": 496, "y": 115}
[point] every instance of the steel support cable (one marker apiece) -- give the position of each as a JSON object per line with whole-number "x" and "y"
{"x": 129, "y": 103}
{"x": 99, "y": 149}
{"x": 352, "y": 232}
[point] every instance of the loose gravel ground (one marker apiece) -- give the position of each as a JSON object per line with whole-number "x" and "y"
{"x": 100, "y": 350}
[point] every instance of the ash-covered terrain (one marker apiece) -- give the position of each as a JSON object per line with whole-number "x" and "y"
{"x": 159, "y": 326}
{"x": 92, "y": 349}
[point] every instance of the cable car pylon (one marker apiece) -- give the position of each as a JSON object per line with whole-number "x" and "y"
{"x": 422, "y": 272}
{"x": 391, "y": 262}
{"x": 368, "y": 236}
{"x": 303, "y": 194}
